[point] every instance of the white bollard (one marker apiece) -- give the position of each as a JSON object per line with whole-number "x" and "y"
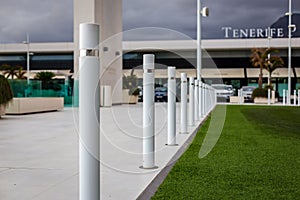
{"x": 298, "y": 97}
{"x": 202, "y": 100}
{"x": 199, "y": 99}
{"x": 171, "y": 140}
{"x": 196, "y": 100}
{"x": 191, "y": 102}
{"x": 288, "y": 97}
{"x": 295, "y": 97}
{"x": 283, "y": 97}
{"x": 269, "y": 96}
{"x": 183, "y": 104}
{"x": 89, "y": 112}
{"x": 148, "y": 113}
{"x": 240, "y": 96}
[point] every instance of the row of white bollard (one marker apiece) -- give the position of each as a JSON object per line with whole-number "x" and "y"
{"x": 202, "y": 100}
{"x": 296, "y": 98}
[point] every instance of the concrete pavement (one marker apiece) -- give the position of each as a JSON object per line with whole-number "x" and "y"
{"x": 39, "y": 153}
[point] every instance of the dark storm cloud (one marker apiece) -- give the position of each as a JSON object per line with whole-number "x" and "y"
{"x": 52, "y": 20}
{"x": 180, "y": 15}
{"x": 45, "y": 21}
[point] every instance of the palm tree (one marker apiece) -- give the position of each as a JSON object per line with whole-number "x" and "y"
{"x": 20, "y": 74}
{"x": 9, "y": 71}
{"x": 259, "y": 58}
{"x": 273, "y": 63}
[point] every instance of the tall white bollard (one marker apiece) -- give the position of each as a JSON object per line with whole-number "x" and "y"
{"x": 196, "y": 103}
{"x": 89, "y": 110}
{"x": 295, "y": 97}
{"x": 298, "y": 97}
{"x": 191, "y": 101}
{"x": 148, "y": 113}
{"x": 240, "y": 94}
{"x": 202, "y": 100}
{"x": 171, "y": 140}
{"x": 283, "y": 97}
{"x": 199, "y": 99}
{"x": 183, "y": 104}
{"x": 269, "y": 96}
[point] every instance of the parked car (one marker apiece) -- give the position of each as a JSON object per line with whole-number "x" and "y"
{"x": 140, "y": 97}
{"x": 223, "y": 91}
{"x": 247, "y": 92}
{"x": 161, "y": 94}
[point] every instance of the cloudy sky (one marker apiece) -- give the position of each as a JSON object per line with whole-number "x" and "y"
{"x": 52, "y": 20}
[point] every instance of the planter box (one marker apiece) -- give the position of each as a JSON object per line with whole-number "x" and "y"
{"x": 235, "y": 99}
{"x": 2, "y": 110}
{"x": 261, "y": 100}
{"x": 35, "y": 105}
{"x": 131, "y": 99}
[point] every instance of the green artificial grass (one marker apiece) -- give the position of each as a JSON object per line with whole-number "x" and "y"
{"x": 256, "y": 157}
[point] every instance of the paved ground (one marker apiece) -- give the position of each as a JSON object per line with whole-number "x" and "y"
{"x": 39, "y": 153}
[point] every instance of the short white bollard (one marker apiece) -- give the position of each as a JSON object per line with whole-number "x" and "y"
{"x": 89, "y": 112}
{"x": 298, "y": 97}
{"x": 148, "y": 113}
{"x": 283, "y": 97}
{"x": 269, "y": 96}
{"x": 199, "y": 99}
{"x": 183, "y": 104}
{"x": 295, "y": 97}
{"x": 288, "y": 97}
{"x": 191, "y": 101}
{"x": 196, "y": 103}
{"x": 202, "y": 100}
{"x": 239, "y": 95}
{"x": 171, "y": 140}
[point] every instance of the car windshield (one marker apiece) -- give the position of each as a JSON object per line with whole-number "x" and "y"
{"x": 222, "y": 87}
{"x": 161, "y": 89}
{"x": 248, "y": 89}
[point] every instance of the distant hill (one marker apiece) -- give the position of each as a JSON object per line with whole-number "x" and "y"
{"x": 283, "y": 21}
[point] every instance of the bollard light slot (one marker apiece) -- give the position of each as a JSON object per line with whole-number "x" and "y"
{"x": 149, "y": 71}
{"x": 89, "y": 52}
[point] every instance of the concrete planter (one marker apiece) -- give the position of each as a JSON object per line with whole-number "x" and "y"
{"x": 2, "y": 110}
{"x": 236, "y": 99}
{"x": 35, "y": 105}
{"x": 261, "y": 100}
{"x": 129, "y": 99}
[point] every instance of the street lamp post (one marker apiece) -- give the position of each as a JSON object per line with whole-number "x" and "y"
{"x": 203, "y": 12}
{"x": 292, "y": 28}
{"x": 28, "y": 58}
{"x": 269, "y": 55}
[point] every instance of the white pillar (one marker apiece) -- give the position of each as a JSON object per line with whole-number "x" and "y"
{"x": 196, "y": 103}
{"x": 283, "y": 97}
{"x": 148, "y": 113}
{"x": 89, "y": 110}
{"x": 298, "y": 97}
{"x": 202, "y": 100}
{"x": 183, "y": 104}
{"x": 191, "y": 101}
{"x": 199, "y": 99}
{"x": 171, "y": 140}
{"x": 295, "y": 97}
{"x": 269, "y": 96}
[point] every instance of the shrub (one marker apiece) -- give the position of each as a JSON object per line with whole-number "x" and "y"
{"x": 6, "y": 94}
{"x": 259, "y": 92}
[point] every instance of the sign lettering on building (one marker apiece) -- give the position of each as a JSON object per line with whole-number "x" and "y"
{"x": 230, "y": 32}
